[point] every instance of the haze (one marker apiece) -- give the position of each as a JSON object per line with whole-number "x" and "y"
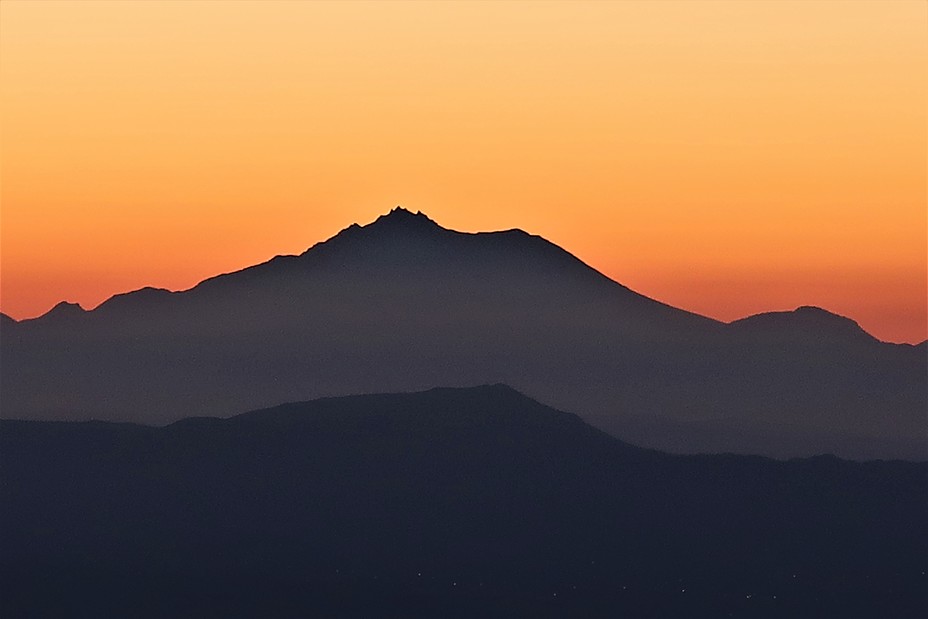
{"x": 728, "y": 158}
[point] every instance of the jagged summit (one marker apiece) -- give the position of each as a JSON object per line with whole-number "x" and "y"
{"x": 397, "y": 222}
{"x": 399, "y": 216}
{"x": 399, "y": 212}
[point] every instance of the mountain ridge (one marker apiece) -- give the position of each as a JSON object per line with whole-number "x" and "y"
{"x": 402, "y": 219}
{"x": 402, "y": 304}
{"x": 397, "y": 226}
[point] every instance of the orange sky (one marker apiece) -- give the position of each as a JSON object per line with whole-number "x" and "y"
{"x": 724, "y": 157}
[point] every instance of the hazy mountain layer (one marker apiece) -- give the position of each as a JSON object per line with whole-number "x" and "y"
{"x": 403, "y": 304}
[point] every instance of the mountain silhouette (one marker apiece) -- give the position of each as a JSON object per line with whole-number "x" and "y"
{"x": 451, "y": 503}
{"x": 403, "y": 304}
{"x": 62, "y": 313}
{"x": 812, "y": 325}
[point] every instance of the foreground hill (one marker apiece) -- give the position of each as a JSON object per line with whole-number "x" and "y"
{"x": 403, "y": 304}
{"x": 451, "y": 502}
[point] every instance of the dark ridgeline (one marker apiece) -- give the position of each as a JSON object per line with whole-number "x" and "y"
{"x": 403, "y": 304}
{"x": 448, "y": 503}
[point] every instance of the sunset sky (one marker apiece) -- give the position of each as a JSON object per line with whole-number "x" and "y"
{"x": 724, "y": 157}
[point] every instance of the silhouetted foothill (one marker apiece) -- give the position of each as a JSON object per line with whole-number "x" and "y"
{"x": 447, "y": 503}
{"x": 404, "y": 304}
{"x": 809, "y": 322}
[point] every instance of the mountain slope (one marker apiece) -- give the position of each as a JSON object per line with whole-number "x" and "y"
{"x": 451, "y": 502}
{"x": 403, "y": 304}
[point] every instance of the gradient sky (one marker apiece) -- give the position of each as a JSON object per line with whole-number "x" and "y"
{"x": 724, "y": 157}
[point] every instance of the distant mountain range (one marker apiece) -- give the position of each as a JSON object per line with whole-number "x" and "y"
{"x": 474, "y": 502}
{"x": 403, "y": 304}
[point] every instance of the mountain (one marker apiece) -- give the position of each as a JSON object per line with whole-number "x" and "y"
{"x": 806, "y": 324}
{"x": 447, "y": 503}
{"x": 403, "y": 304}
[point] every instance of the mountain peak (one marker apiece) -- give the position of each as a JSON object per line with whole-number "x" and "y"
{"x": 806, "y": 320}
{"x": 399, "y": 216}
{"x": 397, "y": 223}
{"x": 62, "y": 311}
{"x": 401, "y": 211}
{"x": 65, "y": 308}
